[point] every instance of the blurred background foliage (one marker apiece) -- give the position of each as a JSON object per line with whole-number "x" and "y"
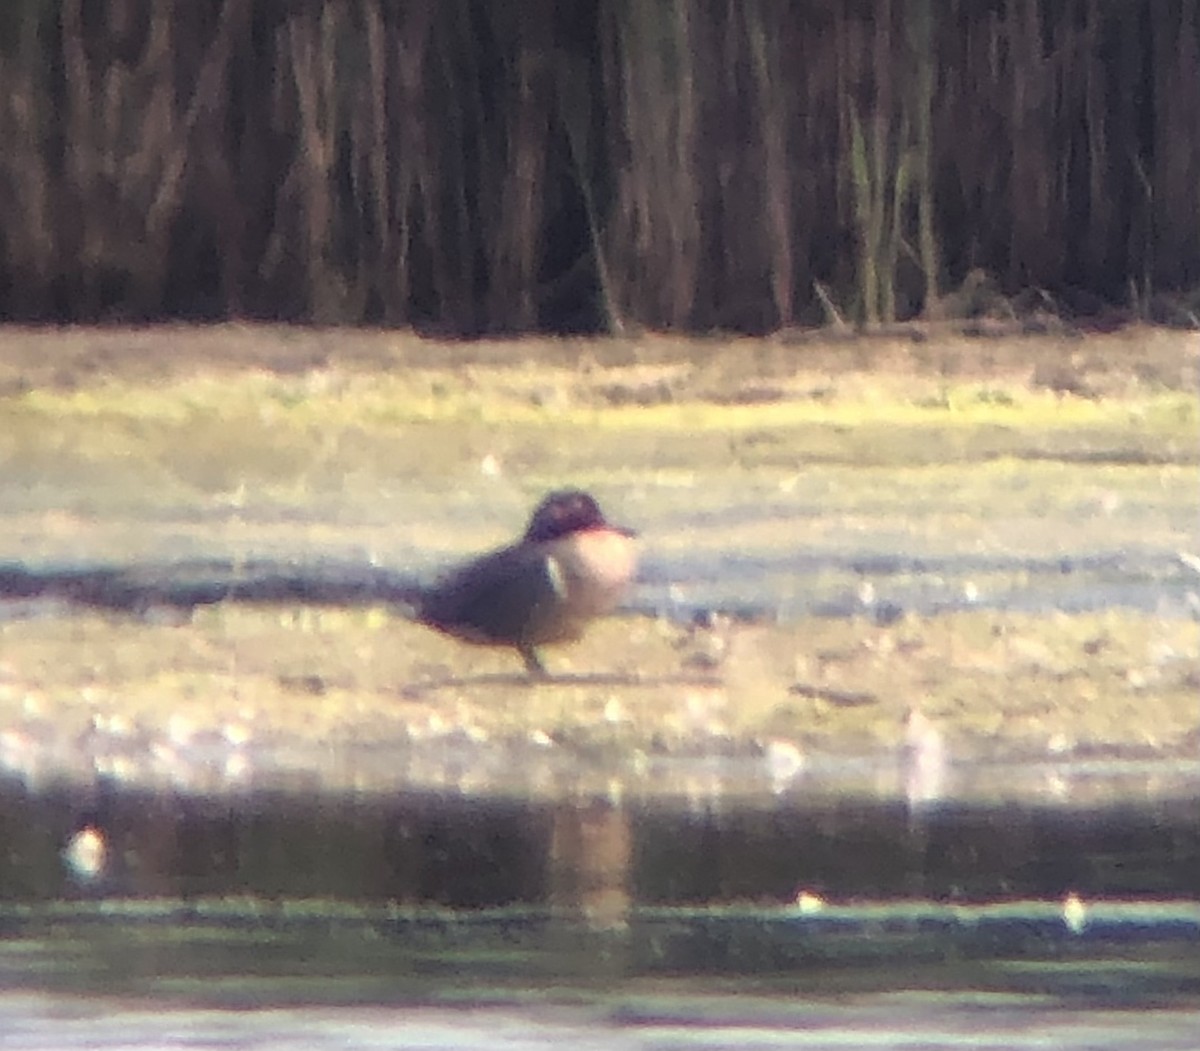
{"x": 470, "y": 166}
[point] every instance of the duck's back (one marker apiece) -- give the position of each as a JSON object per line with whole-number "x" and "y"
{"x": 508, "y": 597}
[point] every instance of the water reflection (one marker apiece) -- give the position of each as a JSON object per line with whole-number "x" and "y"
{"x": 594, "y": 919}
{"x": 596, "y": 855}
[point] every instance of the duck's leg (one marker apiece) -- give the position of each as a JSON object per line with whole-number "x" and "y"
{"x": 533, "y": 663}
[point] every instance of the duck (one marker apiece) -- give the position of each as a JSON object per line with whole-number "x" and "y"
{"x": 569, "y": 568}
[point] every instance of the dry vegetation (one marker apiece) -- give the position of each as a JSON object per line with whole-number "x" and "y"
{"x": 608, "y": 165}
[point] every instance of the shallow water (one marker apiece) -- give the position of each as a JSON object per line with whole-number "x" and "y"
{"x": 907, "y": 1021}
{"x": 725, "y": 901}
{"x": 829, "y": 540}
{"x": 432, "y": 920}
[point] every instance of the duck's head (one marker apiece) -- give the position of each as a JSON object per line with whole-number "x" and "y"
{"x": 568, "y": 511}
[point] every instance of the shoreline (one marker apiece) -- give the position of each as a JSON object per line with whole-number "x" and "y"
{"x": 308, "y": 444}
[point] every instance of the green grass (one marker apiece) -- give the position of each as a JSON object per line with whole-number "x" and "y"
{"x": 214, "y": 433}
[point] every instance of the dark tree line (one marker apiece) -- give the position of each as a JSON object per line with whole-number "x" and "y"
{"x": 480, "y": 165}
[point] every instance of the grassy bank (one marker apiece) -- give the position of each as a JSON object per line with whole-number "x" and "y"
{"x": 213, "y": 410}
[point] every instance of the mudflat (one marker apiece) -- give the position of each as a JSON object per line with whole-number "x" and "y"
{"x": 994, "y": 535}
